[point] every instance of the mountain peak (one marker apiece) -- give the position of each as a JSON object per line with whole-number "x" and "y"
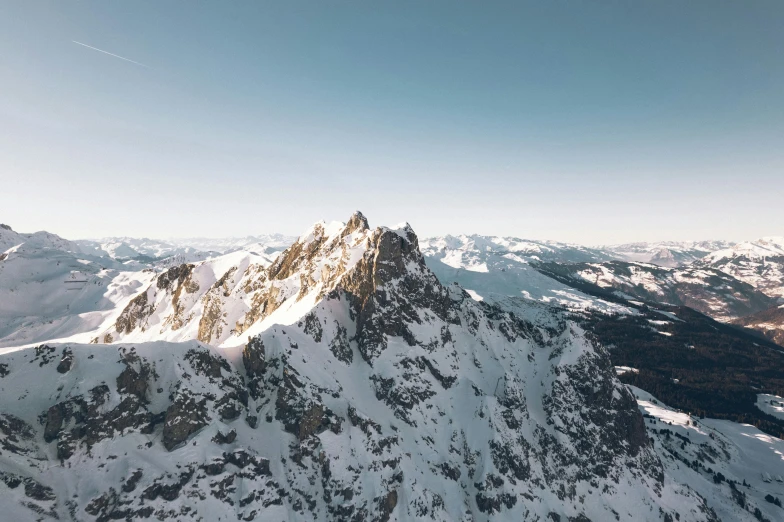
{"x": 356, "y": 222}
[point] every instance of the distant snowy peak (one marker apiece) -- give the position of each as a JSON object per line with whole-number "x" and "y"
{"x": 752, "y": 250}
{"x": 666, "y": 253}
{"x": 759, "y": 263}
{"x": 477, "y": 247}
{"x": 265, "y": 243}
{"x": 125, "y": 248}
{"x": 9, "y": 238}
{"x": 36, "y": 241}
{"x": 184, "y": 250}
{"x": 499, "y": 270}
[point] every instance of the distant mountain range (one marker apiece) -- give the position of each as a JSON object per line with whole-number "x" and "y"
{"x": 666, "y": 253}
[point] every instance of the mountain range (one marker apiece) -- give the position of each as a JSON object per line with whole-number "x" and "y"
{"x": 359, "y": 373}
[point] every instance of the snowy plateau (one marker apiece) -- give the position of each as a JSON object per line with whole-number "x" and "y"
{"x": 357, "y": 373}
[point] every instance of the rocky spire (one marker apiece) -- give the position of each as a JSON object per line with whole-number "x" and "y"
{"x": 357, "y": 222}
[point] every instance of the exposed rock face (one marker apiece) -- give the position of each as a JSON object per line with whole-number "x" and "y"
{"x": 186, "y": 416}
{"x": 390, "y": 397}
{"x": 392, "y": 257}
{"x": 213, "y": 320}
{"x": 174, "y": 277}
{"x": 65, "y": 362}
{"x": 134, "y": 315}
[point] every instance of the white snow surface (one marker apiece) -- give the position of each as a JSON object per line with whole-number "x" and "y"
{"x": 739, "y": 452}
{"x": 759, "y": 263}
{"x": 499, "y": 270}
{"x": 771, "y": 404}
{"x": 49, "y": 290}
{"x": 53, "y": 289}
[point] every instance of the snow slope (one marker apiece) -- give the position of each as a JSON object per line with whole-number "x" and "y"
{"x": 733, "y": 466}
{"x": 771, "y": 404}
{"x": 48, "y": 290}
{"x": 124, "y": 248}
{"x": 499, "y": 270}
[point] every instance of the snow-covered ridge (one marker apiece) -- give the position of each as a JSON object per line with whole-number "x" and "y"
{"x": 759, "y": 263}
{"x": 499, "y": 270}
{"x": 49, "y": 289}
{"x": 466, "y": 251}
{"x": 55, "y": 289}
{"x": 753, "y": 250}
{"x": 156, "y": 249}
{"x": 665, "y": 253}
{"x": 264, "y": 243}
{"x": 9, "y": 239}
{"x": 706, "y": 289}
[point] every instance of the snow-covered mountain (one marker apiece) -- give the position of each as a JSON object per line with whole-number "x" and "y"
{"x": 11, "y": 241}
{"x": 759, "y": 263}
{"x": 378, "y": 393}
{"x": 727, "y": 463}
{"x": 262, "y": 244}
{"x": 50, "y": 290}
{"x": 665, "y": 253}
{"x": 708, "y": 290}
{"x": 343, "y": 380}
{"x": 472, "y": 252}
{"x": 181, "y": 250}
{"x": 499, "y": 270}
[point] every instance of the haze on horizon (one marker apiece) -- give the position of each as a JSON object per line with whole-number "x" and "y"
{"x": 577, "y": 122}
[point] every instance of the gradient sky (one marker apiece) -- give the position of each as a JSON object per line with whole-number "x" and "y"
{"x": 584, "y": 121}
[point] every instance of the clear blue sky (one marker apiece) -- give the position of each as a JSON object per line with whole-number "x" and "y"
{"x": 583, "y": 121}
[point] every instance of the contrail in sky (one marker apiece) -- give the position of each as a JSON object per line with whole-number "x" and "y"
{"x": 105, "y": 52}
